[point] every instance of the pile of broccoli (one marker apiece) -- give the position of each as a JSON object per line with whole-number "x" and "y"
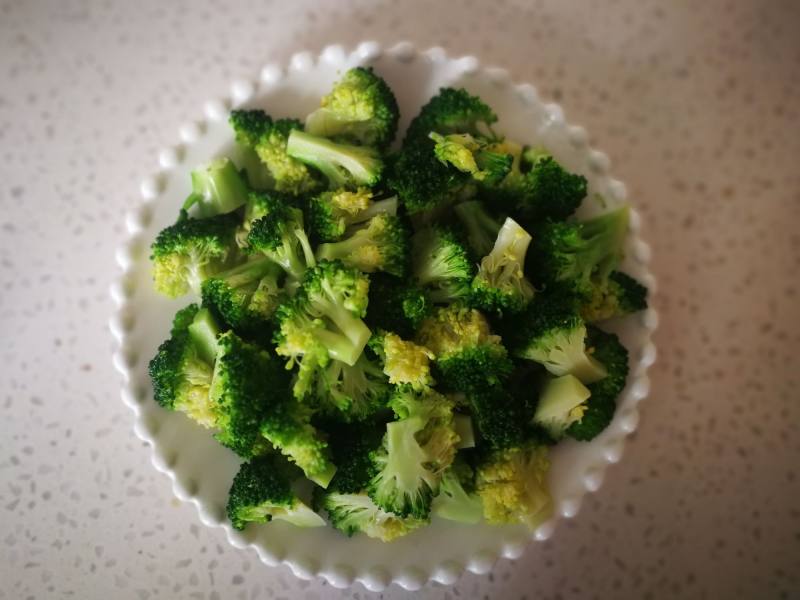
{"x": 409, "y": 330}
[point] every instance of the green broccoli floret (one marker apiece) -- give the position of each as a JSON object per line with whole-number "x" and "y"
{"x": 245, "y": 296}
{"x": 551, "y": 332}
{"x": 332, "y": 212}
{"x": 323, "y": 321}
{"x": 191, "y": 250}
{"x": 404, "y": 362}
{"x": 217, "y": 188}
{"x": 258, "y": 206}
{"x": 396, "y": 305}
{"x": 580, "y": 255}
{"x": 471, "y": 155}
{"x": 380, "y": 245}
{"x": 352, "y": 393}
{"x": 500, "y": 286}
{"x": 416, "y": 449}
{"x": 248, "y": 381}
{"x": 562, "y": 402}
{"x": 280, "y": 235}
{"x": 512, "y": 485}
{"x": 343, "y": 165}
{"x": 361, "y": 109}
{"x": 441, "y": 265}
{"x": 357, "y": 513}
{"x": 452, "y": 111}
{"x": 622, "y": 296}
{"x": 468, "y": 355}
{"x": 255, "y": 129}
{"x": 457, "y": 499}
{"x": 351, "y": 444}
{"x": 481, "y": 228}
{"x": 603, "y": 400}
{"x": 498, "y": 416}
{"x": 183, "y": 367}
{"x": 537, "y": 186}
{"x": 261, "y": 492}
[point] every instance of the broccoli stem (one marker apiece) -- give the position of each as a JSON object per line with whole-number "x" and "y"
{"x": 247, "y": 274}
{"x": 387, "y": 206}
{"x": 217, "y": 188}
{"x": 345, "y": 247}
{"x": 509, "y": 250}
{"x": 347, "y": 344}
{"x": 327, "y": 156}
{"x": 481, "y": 227}
{"x": 204, "y": 331}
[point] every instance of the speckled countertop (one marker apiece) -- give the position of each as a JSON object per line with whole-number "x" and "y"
{"x": 698, "y": 104}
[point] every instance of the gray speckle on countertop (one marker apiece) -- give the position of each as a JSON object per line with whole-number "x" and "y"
{"x": 698, "y": 105}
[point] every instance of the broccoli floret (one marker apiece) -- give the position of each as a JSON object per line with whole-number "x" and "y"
{"x": 343, "y": 165}
{"x": 361, "y": 109}
{"x": 357, "y": 513}
{"x": 332, "y": 212}
{"x": 537, "y": 186}
{"x": 191, "y": 250}
{"x": 217, "y": 188}
{"x": 582, "y": 254}
{"x": 182, "y": 369}
{"x": 261, "y": 491}
{"x": 396, "y": 305}
{"x": 472, "y": 156}
{"x": 245, "y": 296}
{"x": 457, "y": 499}
{"x": 255, "y": 129}
{"x": 622, "y": 296}
{"x": 441, "y": 265}
{"x": 500, "y": 286}
{"x": 498, "y": 416}
{"x": 351, "y": 444}
{"x": 381, "y": 245}
{"x": 404, "y": 362}
{"x": 323, "y": 321}
{"x": 481, "y": 228}
{"x": 416, "y": 449}
{"x": 424, "y": 183}
{"x": 352, "y": 393}
{"x": 603, "y": 400}
{"x": 512, "y": 485}
{"x": 259, "y": 205}
{"x": 562, "y": 402}
{"x": 468, "y": 355}
{"x": 280, "y": 235}
{"x": 254, "y": 172}
{"x": 452, "y": 111}
{"x": 246, "y": 384}
{"x": 551, "y": 332}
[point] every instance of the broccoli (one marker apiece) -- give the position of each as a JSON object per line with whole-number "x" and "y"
{"x": 354, "y": 513}
{"x": 254, "y": 172}
{"x": 580, "y": 255}
{"x": 562, "y": 402}
{"x": 342, "y": 164}
{"x": 259, "y": 205}
{"x": 182, "y": 369}
{"x": 452, "y": 111}
{"x": 472, "y": 156}
{"x": 481, "y": 228}
{"x": 468, "y": 355}
{"x": 245, "y": 296}
{"x": 498, "y": 416}
{"x": 280, "y": 235}
{"x": 247, "y": 382}
{"x": 323, "y": 321}
{"x": 381, "y": 245}
{"x": 501, "y": 286}
{"x": 332, "y": 212}
{"x": 462, "y": 424}
{"x": 255, "y": 129}
{"x": 622, "y": 296}
{"x": 191, "y": 250}
{"x": 351, "y": 444}
{"x": 511, "y": 484}
{"x": 352, "y": 393}
{"x": 603, "y": 400}
{"x": 361, "y": 109}
{"x": 396, "y": 305}
{"x": 404, "y": 362}
{"x": 261, "y": 491}
{"x": 217, "y": 188}
{"x": 457, "y": 499}
{"x": 416, "y": 449}
{"x": 441, "y": 265}
{"x": 537, "y": 186}
{"x": 551, "y": 332}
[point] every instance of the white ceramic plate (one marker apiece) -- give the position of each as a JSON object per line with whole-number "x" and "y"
{"x": 201, "y": 470}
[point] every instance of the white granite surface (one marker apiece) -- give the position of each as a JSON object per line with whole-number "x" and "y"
{"x": 698, "y": 104}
